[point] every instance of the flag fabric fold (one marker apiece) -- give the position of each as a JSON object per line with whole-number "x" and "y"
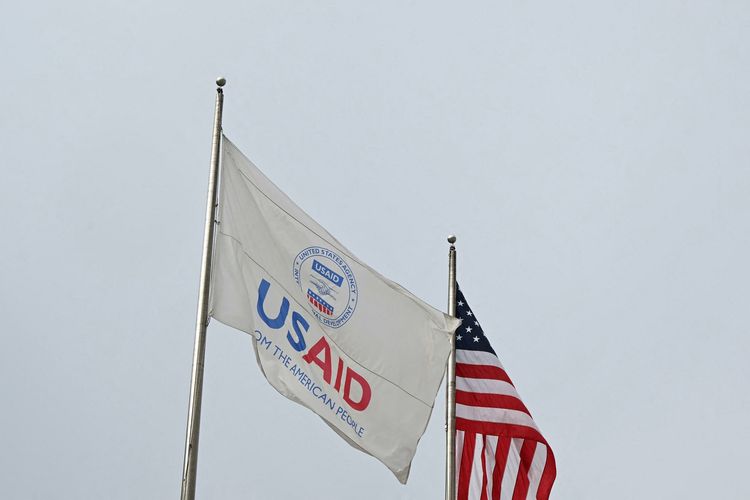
{"x": 328, "y": 331}
{"x": 500, "y": 452}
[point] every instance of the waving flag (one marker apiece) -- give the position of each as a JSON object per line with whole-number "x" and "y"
{"x": 500, "y": 453}
{"x": 329, "y": 332}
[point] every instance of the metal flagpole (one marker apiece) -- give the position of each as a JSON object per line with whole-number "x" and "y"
{"x": 190, "y": 464}
{"x": 450, "y": 386}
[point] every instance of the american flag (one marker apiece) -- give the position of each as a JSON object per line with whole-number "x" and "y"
{"x": 500, "y": 453}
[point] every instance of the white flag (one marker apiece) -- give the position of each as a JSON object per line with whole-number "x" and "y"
{"x": 329, "y": 332}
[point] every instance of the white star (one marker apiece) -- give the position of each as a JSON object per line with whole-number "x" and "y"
{"x": 458, "y": 337}
{"x": 476, "y": 323}
{"x": 476, "y": 339}
{"x": 468, "y": 329}
{"x": 460, "y": 303}
{"x": 468, "y": 313}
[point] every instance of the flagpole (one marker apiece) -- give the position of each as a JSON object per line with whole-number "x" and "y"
{"x": 190, "y": 464}
{"x": 450, "y": 386}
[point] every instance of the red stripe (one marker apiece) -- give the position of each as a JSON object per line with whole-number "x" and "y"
{"x": 483, "y": 495}
{"x": 495, "y": 429}
{"x": 522, "y": 479}
{"x": 490, "y": 401}
{"x": 482, "y": 371}
{"x": 548, "y": 477}
{"x": 501, "y": 458}
{"x": 467, "y": 457}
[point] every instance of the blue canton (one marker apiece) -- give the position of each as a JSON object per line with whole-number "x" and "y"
{"x": 469, "y": 335}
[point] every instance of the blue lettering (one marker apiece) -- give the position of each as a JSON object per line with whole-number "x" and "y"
{"x": 327, "y": 273}
{"x": 278, "y": 321}
{"x": 296, "y": 371}
{"x": 265, "y": 342}
{"x": 297, "y": 320}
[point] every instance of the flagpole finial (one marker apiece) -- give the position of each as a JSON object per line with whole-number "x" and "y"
{"x": 451, "y": 238}
{"x": 221, "y": 81}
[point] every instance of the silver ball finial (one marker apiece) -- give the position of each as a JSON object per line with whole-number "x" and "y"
{"x": 221, "y": 81}
{"x": 452, "y": 239}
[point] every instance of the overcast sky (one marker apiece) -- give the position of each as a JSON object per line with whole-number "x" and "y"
{"x": 591, "y": 156}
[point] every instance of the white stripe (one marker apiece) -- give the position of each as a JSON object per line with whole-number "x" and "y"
{"x": 475, "y": 480}
{"x": 486, "y": 386}
{"x": 511, "y": 469}
{"x": 497, "y": 415}
{"x": 489, "y": 457}
{"x": 536, "y": 469}
{"x": 459, "y": 452}
{"x": 477, "y": 358}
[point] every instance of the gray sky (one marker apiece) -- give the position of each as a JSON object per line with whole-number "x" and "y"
{"x": 591, "y": 156}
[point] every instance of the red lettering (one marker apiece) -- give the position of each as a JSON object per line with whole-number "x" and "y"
{"x": 325, "y": 363}
{"x": 339, "y": 371}
{"x": 364, "y": 401}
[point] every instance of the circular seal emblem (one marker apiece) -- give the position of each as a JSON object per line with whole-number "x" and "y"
{"x": 328, "y": 284}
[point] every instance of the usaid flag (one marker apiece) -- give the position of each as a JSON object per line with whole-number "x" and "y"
{"x": 329, "y": 332}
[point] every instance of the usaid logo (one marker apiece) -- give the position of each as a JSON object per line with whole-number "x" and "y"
{"x": 328, "y": 284}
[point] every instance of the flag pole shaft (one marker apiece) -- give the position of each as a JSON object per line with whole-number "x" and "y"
{"x": 450, "y": 386}
{"x": 190, "y": 463}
